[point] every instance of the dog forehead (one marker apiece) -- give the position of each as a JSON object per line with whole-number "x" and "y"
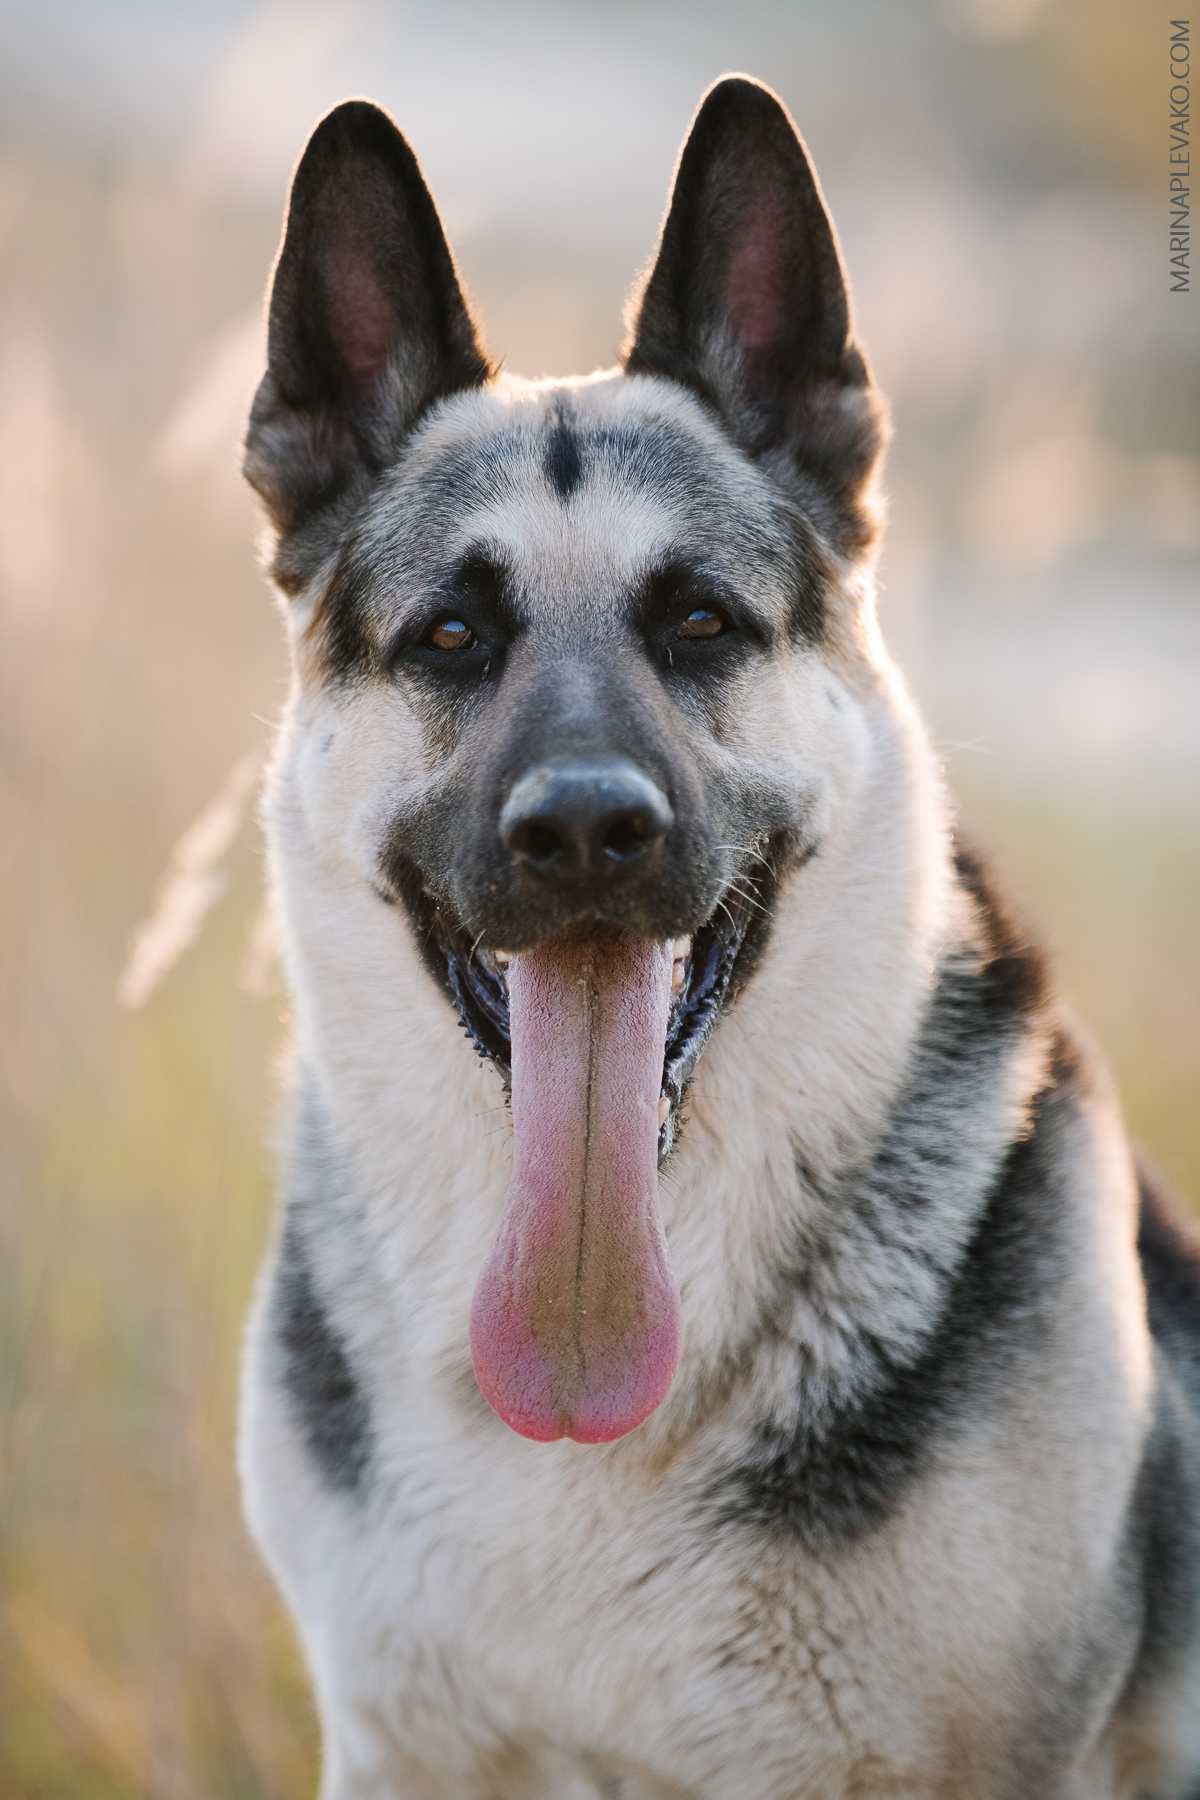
{"x": 580, "y": 484}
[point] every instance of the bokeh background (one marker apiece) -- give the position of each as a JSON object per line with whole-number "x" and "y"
{"x": 997, "y": 168}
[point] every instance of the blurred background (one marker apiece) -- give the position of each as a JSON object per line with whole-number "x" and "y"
{"x": 997, "y": 170}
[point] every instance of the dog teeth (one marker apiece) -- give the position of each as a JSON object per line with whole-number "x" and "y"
{"x": 681, "y": 948}
{"x": 678, "y": 975}
{"x": 664, "y": 1111}
{"x": 503, "y": 958}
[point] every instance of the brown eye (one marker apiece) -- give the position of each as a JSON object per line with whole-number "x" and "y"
{"x": 702, "y": 622}
{"x": 451, "y": 634}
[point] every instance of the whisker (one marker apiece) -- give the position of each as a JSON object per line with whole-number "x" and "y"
{"x": 748, "y": 891}
{"x": 745, "y": 850}
{"x": 727, "y": 913}
{"x": 492, "y": 1131}
{"x": 749, "y": 850}
{"x": 742, "y": 894}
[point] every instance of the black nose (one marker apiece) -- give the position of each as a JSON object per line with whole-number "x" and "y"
{"x": 572, "y": 818}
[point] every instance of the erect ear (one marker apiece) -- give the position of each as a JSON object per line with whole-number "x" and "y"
{"x": 367, "y": 322}
{"x": 747, "y": 304}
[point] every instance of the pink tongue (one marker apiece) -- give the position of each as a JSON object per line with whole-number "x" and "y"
{"x": 575, "y": 1323}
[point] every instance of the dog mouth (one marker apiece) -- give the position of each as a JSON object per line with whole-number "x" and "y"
{"x": 704, "y": 968}
{"x": 597, "y": 1032}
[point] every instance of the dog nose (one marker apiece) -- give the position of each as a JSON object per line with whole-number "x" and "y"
{"x": 572, "y": 818}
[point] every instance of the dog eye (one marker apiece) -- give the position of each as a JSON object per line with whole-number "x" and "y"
{"x": 451, "y": 635}
{"x": 703, "y": 622}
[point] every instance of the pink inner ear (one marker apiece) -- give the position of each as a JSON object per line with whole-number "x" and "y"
{"x": 362, "y": 318}
{"x": 754, "y": 289}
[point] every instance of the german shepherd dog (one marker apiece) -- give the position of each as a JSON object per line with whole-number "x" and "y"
{"x": 717, "y": 1340}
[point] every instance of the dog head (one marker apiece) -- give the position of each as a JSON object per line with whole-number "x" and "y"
{"x": 567, "y": 661}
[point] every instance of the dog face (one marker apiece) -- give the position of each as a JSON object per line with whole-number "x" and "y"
{"x": 572, "y": 664}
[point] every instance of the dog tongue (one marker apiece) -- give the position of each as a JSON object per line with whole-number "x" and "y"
{"x": 575, "y": 1322}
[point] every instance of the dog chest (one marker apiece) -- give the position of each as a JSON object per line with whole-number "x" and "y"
{"x": 487, "y": 1603}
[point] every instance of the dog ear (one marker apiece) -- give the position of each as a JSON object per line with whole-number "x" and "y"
{"x": 747, "y": 304}
{"x": 367, "y": 322}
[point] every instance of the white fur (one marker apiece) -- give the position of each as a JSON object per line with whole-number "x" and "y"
{"x": 498, "y": 1618}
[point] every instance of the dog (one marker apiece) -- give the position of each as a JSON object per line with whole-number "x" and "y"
{"x": 717, "y": 1340}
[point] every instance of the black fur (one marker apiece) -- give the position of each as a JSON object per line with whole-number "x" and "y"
{"x": 326, "y": 1397}
{"x": 367, "y": 323}
{"x": 1161, "y": 1565}
{"x": 1015, "y": 976}
{"x": 349, "y": 649}
{"x": 1169, "y": 1249}
{"x": 563, "y": 463}
{"x": 836, "y": 1472}
{"x": 832, "y": 1480}
{"x": 747, "y": 304}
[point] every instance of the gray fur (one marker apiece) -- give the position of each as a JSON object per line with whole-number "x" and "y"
{"x": 920, "y": 1515}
